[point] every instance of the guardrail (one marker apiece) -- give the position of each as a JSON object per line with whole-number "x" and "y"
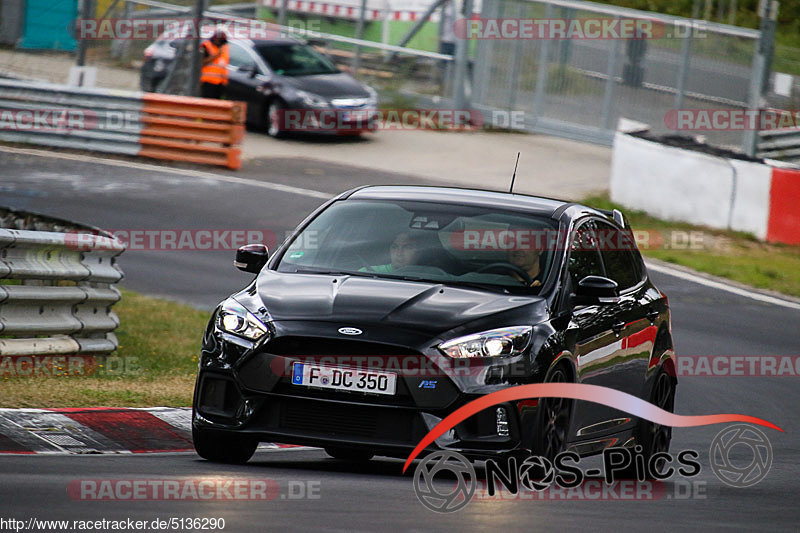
{"x": 780, "y": 144}
{"x": 56, "y": 286}
{"x": 174, "y": 128}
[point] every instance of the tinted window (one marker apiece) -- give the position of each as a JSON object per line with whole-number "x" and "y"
{"x": 617, "y": 249}
{"x": 444, "y": 243}
{"x": 584, "y": 257}
{"x": 293, "y": 59}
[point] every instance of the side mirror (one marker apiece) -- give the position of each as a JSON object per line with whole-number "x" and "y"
{"x": 251, "y": 258}
{"x": 593, "y": 290}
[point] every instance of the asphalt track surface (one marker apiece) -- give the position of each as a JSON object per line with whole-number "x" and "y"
{"x": 376, "y": 496}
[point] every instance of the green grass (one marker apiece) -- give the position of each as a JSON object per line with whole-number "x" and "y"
{"x": 164, "y": 336}
{"x": 728, "y": 254}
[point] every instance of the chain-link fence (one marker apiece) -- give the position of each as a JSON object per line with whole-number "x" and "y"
{"x": 581, "y": 87}
{"x": 574, "y": 87}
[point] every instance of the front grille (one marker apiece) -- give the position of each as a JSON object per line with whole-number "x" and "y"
{"x": 311, "y": 346}
{"x": 329, "y": 419}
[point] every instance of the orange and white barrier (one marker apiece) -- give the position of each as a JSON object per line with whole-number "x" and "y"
{"x": 173, "y": 128}
{"x": 195, "y": 130}
{"x": 678, "y": 184}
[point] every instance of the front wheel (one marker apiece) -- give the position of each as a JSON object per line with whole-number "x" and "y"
{"x": 221, "y": 448}
{"x": 654, "y": 438}
{"x": 553, "y": 421}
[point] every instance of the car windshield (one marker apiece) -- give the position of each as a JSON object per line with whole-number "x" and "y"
{"x": 295, "y": 59}
{"x": 419, "y": 241}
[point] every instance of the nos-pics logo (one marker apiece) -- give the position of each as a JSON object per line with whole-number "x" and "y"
{"x": 445, "y": 481}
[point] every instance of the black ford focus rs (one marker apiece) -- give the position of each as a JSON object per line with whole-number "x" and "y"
{"x": 392, "y": 306}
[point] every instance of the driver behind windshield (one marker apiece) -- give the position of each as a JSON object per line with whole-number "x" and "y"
{"x": 529, "y": 261}
{"x": 404, "y": 251}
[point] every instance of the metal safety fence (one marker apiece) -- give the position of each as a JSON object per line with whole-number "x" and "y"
{"x": 56, "y": 286}
{"x": 780, "y": 144}
{"x": 573, "y": 87}
{"x": 582, "y": 86}
{"x": 157, "y": 126}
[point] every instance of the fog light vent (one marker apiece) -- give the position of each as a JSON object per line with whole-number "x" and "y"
{"x": 502, "y": 422}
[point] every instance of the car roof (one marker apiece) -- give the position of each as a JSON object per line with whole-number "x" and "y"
{"x": 536, "y": 205}
{"x": 269, "y": 42}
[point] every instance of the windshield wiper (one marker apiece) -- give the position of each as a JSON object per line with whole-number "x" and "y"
{"x": 334, "y": 273}
{"x": 477, "y": 285}
{"x": 472, "y": 284}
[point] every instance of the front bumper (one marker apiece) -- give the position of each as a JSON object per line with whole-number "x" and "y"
{"x": 385, "y": 430}
{"x": 249, "y": 392}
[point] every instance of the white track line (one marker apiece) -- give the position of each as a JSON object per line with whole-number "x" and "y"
{"x": 722, "y": 286}
{"x": 183, "y": 172}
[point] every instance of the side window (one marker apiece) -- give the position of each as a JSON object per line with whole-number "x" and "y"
{"x": 239, "y": 56}
{"x": 617, "y": 248}
{"x": 584, "y": 257}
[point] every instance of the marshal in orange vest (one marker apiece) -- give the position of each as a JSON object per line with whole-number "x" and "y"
{"x": 216, "y": 72}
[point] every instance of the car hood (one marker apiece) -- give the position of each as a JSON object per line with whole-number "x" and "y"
{"x": 407, "y": 304}
{"x": 339, "y": 85}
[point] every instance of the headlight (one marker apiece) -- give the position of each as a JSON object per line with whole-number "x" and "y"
{"x": 497, "y": 342}
{"x": 312, "y": 100}
{"x": 235, "y": 319}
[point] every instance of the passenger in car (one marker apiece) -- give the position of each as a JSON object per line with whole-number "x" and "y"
{"x": 403, "y": 252}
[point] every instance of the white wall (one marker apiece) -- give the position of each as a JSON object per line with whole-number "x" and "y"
{"x": 688, "y": 186}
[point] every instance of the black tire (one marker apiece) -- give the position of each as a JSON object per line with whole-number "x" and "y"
{"x": 654, "y": 438}
{"x": 274, "y": 129}
{"x": 553, "y": 420}
{"x": 221, "y": 448}
{"x": 344, "y": 454}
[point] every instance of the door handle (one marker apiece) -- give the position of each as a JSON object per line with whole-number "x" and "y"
{"x": 618, "y": 327}
{"x": 652, "y": 315}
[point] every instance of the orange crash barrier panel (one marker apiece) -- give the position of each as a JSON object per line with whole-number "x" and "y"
{"x": 195, "y": 130}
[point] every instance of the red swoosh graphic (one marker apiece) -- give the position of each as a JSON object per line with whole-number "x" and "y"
{"x": 577, "y": 391}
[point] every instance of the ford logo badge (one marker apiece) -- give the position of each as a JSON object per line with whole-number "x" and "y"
{"x": 350, "y": 331}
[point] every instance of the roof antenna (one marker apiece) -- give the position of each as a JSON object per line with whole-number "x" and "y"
{"x": 514, "y": 177}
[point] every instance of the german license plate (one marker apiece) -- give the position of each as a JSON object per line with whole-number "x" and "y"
{"x": 339, "y": 378}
